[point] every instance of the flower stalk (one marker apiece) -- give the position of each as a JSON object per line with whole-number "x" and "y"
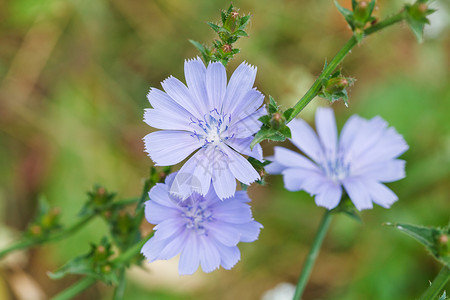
{"x": 433, "y": 291}
{"x": 312, "y": 255}
{"x": 337, "y": 59}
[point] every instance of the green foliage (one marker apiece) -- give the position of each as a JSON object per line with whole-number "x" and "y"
{"x": 358, "y": 17}
{"x": 259, "y": 167}
{"x": 274, "y": 126}
{"x": 347, "y": 207}
{"x": 335, "y": 87}
{"x": 435, "y": 240}
{"x": 232, "y": 28}
{"x": 416, "y": 17}
{"x": 46, "y": 222}
{"x": 96, "y": 263}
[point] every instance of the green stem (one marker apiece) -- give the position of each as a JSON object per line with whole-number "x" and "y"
{"x": 437, "y": 285}
{"x": 27, "y": 243}
{"x": 125, "y": 257}
{"x": 332, "y": 65}
{"x": 120, "y": 288}
{"x": 75, "y": 289}
{"x": 312, "y": 255}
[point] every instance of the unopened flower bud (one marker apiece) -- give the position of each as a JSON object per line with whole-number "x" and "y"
{"x": 336, "y": 84}
{"x": 227, "y": 48}
{"x": 422, "y": 8}
{"x": 101, "y": 249}
{"x": 106, "y": 269}
{"x": 443, "y": 242}
{"x": 277, "y": 120}
{"x": 36, "y": 230}
{"x": 361, "y": 14}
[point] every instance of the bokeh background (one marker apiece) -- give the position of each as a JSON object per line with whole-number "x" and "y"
{"x": 73, "y": 82}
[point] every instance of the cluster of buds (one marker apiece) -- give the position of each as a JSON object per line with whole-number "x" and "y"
{"x": 45, "y": 223}
{"x": 359, "y": 16}
{"x": 335, "y": 87}
{"x": 96, "y": 263}
{"x": 229, "y": 31}
{"x": 416, "y": 16}
{"x": 274, "y": 126}
{"x": 99, "y": 201}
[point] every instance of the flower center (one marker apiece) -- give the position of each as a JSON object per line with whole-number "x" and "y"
{"x": 336, "y": 169}
{"x": 196, "y": 215}
{"x": 213, "y": 129}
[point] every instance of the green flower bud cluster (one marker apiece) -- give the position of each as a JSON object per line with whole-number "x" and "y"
{"x": 359, "y": 16}
{"x": 274, "y": 126}
{"x": 97, "y": 263}
{"x": 45, "y": 223}
{"x": 335, "y": 87}
{"x": 416, "y": 16}
{"x": 232, "y": 27}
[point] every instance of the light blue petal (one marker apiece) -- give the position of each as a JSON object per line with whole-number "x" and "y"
{"x": 380, "y": 194}
{"x": 223, "y": 180}
{"x": 350, "y": 131}
{"x": 240, "y": 167}
{"x": 209, "y": 255}
{"x": 249, "y": 231}
{"x": 305, "y": 139}
{"x": 162, "y": 102}
{"x": 194, "y": 176}
{"x": 293, "y": 159}
{"x": 163, "y": 119}
{"x": 169, "y": 147}
{"x": 229, "y": 256}
{"x": 249, "y": 125}
{"x": 389, "y": 146}
{"x": 195, "y": 74}
{"x": 249, "y": 104}
{"x": 241, "y": 196}
{"x": 296, "y": 179}
{"x": 160, "y": 194}
{"x": 330, "y": 196}
{"x": 156, "y": 213}
{"x": 240, "y": 83}
{"x": 175, "y": 246}
{"x": 232, "y": 211}
{"x": 358, "y": 193}
{"x": 327, "y": 131}
{"x": 153, "y": 247}
{"x": 189, "y": 259}
{"x": 224, "y": 232}
{"x": 386, "y": 171}
{"x": 274, "y": 167}
{"x": 169, "y": 228}
{"x": 181, "y": 95}
{"x": 243, "y": 146}
{"x": 216, "y": 84}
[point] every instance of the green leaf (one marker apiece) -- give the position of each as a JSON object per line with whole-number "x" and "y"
{"x": 285, "y": 131}
{"x": 202, "y": 50}
{"x": 287, "y": 114}
{"x": 240, "y": 33}
{"x": 417, "y": 28}
{"x": 214, "y": 27}
{"x": 265, "y": 119}
{"x": 348, "y": 15}
{"x": 273, "y": 107}
{"x": 429, "y": 237}
{"x": 243, "y": 22}
{"x": 267, "y": 134}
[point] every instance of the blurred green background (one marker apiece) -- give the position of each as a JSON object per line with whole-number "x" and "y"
{"x": 73, "y": 82}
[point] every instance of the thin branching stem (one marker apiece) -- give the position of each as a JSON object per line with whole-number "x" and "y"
{"x": 337, "y": 59}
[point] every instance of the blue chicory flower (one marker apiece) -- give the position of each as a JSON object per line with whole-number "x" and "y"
{"x": 213, "y": 116}
{"x": 204, "y": 229}
{"x": 364, "y": 157}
